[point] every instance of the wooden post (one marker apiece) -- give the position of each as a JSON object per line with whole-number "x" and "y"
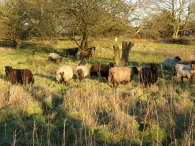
{"x": 116, "y": 55}
{"x": 126, "y": 47}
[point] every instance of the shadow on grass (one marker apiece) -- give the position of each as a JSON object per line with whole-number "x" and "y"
{"x": 32, "y": 47}
{"x": 52, "y": 78}
{"x": 7, "y": 44}
{"x": 3, "y": 77}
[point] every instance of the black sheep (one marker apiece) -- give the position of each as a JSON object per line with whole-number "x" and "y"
{"x": 148, "y": 75}
{"x": 71, "y": 51}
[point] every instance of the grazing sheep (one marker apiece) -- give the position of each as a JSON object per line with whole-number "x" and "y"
{"x": 64, "y": 73}
{"x": 54, "y": 57}
{"x": 102, "y": 69}
{"x": 88, "y": 53}
{"x": 171, "y": 62}
{"x": 71, "y": 51}
{"x": 148, "y": 75}
{"x": 19, "y": 76}
{"x": 27, "y": 76}
{"x": 81, "y": 72}
{"x": 185, "y": 71}
{"x": 121, "y": 75}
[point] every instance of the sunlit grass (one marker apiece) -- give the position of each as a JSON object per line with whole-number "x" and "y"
{"x": 91, "y": 112}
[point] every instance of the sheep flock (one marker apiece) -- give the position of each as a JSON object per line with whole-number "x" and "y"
{"x": 114, "y": 75}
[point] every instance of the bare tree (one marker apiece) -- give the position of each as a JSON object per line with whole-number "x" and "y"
{"x": 93, "y": 17}
{"x": 180, "y": 13}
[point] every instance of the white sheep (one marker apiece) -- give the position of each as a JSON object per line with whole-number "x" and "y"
{"x": 54, "y": 57}
{"x": 121, "y": 75}
{"x": 171, "y": 62}
{"x": 81, "y": 72}
{"x": 64, "y": 73}
{"x": 183, "y": 71}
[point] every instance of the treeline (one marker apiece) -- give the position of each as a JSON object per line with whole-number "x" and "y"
{"x": 24, "y": 19}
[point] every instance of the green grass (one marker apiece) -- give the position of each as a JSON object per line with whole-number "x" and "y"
{"x": 91, "y": 112}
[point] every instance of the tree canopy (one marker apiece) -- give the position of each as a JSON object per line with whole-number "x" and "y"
{"x": 23, "y": 19}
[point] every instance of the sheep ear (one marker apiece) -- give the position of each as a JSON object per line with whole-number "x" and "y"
{"x": 62, "y": 73}
{"x": 7, "y": 67}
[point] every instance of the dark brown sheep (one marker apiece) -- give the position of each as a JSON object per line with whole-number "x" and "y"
{"x": 148, "y": 75}
{"x": 27, "y": 76}
{"x": 19, "y": 76}
{"x": 71, "y": 51}
{"x": 102, "y": 69}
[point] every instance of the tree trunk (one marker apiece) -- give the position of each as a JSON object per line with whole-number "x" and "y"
{"x": 116, "y": 55}
{"x": 84, "y": 41}
{"x": 126, "y": 47}
{"x": 17, "y": 43}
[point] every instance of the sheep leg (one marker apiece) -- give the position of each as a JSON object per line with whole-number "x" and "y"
{"x": 182, "y": 79}
{"x": 190, "y": 79}
{"x": 115, "y": 84}
{"x": 145, "y": 84}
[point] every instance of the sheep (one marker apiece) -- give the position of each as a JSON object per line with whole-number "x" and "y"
{"x": 171, "y": 62}
{"x": 71, "y": 51}
{"x": 121, "y": 75}
{"x": 54, "y": 57}
{"x": 64, "y": 73}
{"x": 148, "y": 75}
{"x": 27, "y": 76}
{"x": 184, "y": 71}
{"x": 91, "y": 48}
{"x": 88, "y": 53}
{"x": 19, "y": 76}
{"x": 100, "y": 69}
{"x": 81, "y": 72}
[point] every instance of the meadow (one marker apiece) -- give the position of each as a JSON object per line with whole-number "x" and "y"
{"x": 91, "y": 112}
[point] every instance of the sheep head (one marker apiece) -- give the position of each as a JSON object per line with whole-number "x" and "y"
{"x": 111, "y": 64}
{"x": 193, "y": 66}
{"x": 135, "y": 70}
{"x": 177, "y": 58}
{"x": 8, "y": 69}
{"x": 153, "y": 66}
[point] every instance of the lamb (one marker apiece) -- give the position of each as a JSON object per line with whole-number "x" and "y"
{"x": 54, "y": 57}
{"x": 88, "y": 53}
{"x": 121, "y": 75}
{"x": 184, "y": 71}
{"x": 64, "y": 73}
{"x": 100, "y": 69}
{"x": 71, "y": 51}
{"x": 81, "y": 72}
{"x": 171, "y": 62}
{"x": 148, "y": 75}
{"x": 19, "y": 76}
